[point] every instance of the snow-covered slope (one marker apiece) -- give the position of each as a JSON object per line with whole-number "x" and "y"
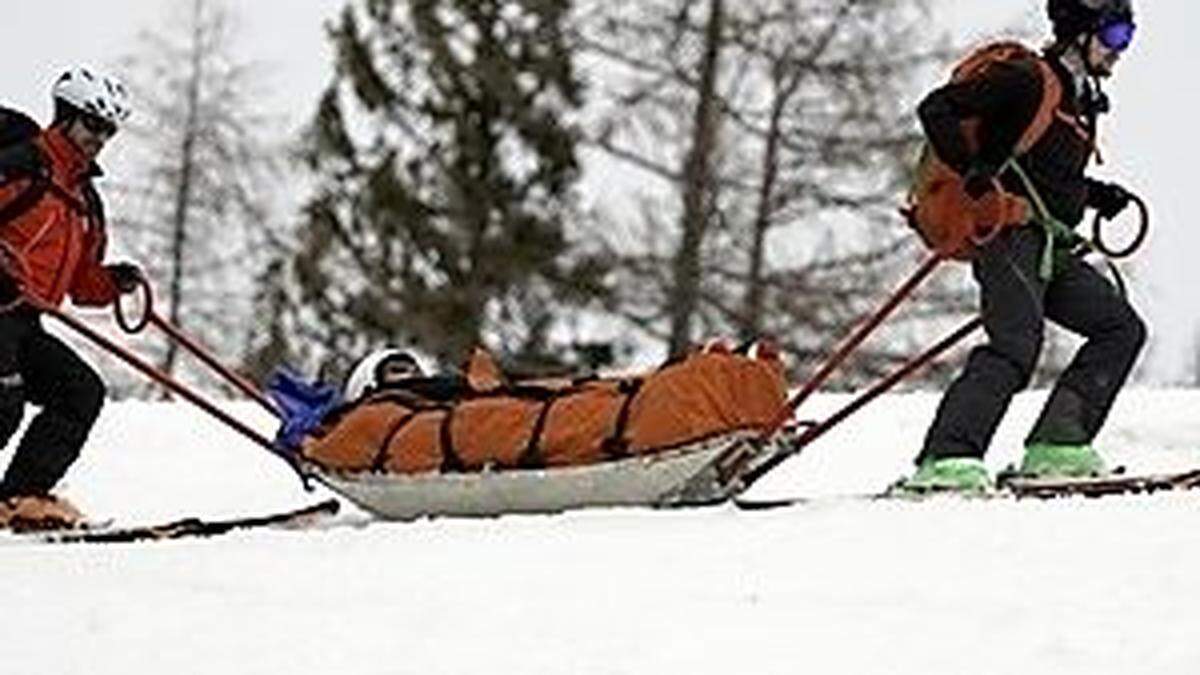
{"x": 837, "y": 586}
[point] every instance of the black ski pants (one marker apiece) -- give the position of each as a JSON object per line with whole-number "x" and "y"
{"x": 1015, "y": 301}
{"x": 36, "y": 367}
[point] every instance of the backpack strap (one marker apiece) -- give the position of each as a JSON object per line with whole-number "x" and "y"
{"x": 1052, "y": 95}
{"x": 26, "y": 200}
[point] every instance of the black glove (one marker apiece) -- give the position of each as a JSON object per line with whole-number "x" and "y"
{"x": 125, "y": 276}
{"x": 1109, "y": 199}
{"x": 979, "y": 179}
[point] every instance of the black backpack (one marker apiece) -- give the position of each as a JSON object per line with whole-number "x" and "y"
{"x": 20, "y": 159}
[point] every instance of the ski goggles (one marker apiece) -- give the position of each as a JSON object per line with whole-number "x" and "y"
{"x": 99, "y": 126}
{"x": 1117, "y": 34}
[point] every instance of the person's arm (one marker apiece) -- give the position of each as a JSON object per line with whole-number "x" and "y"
{"x": 1005, "y": 99}
{"x": 93, "y": 284}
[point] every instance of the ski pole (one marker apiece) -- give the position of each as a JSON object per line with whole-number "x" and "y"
{"x": 149, "y": 316}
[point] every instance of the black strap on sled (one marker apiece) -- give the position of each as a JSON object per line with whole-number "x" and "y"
{"x": 532, "y": 457}
{"x": 381, "y": 457}
{"x": 616, "y": 446}
{"x": 451, "y": 462}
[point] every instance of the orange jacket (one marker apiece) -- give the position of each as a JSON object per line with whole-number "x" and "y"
{"x": 60, "y": 239}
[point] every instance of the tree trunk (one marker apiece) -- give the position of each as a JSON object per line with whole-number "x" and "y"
{"x": 183, "y": 193}
{"x": 752, "y": 319}
{"x": 685, "y": 295}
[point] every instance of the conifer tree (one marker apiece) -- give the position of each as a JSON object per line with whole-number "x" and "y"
{"x": 446, "y": 166}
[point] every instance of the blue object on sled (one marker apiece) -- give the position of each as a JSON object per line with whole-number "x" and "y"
{"x": 302, "y": 405}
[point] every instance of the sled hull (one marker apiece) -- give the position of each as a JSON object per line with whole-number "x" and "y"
{"x": 679, "y": 477}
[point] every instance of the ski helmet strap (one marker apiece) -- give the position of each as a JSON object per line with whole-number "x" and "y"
{"x": 1095, "y": 103}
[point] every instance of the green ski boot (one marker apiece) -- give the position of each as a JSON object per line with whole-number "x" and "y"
{"x": 964, "y": 475}
{"x": 1046, "y": 460}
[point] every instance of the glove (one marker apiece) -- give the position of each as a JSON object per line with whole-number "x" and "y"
{"x": 979, "y": 180}
{"x": 1109, "y": 199}
{"x": 125, "y": 276}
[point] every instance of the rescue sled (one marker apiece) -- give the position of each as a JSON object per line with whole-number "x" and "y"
{"x": 655, "y": 439}
{"x": 685, "y": 476}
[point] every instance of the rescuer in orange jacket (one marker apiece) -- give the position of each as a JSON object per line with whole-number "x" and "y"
{"x": 53, "y": 240}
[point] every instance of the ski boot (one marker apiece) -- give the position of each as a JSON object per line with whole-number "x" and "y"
{"x": 39, "y": 513}
{"x": 960, "y": 475}
{"x": 1047, "y": 460}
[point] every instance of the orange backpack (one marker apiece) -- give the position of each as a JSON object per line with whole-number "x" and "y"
{"x": 938, "y": 208}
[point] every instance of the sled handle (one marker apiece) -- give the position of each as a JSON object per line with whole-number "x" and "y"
{"x": 149, "y": 316}
{"x": 147, "y": 309}
{"x": 173, "y": 385}
{"x": 1142, "y": 232}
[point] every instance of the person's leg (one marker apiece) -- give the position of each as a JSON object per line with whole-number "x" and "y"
{"x": 14, "y": 326}
{"x": 71, "y": 395}
{"x": 1011, "y": 294}
{"x": 1082, "y": 301}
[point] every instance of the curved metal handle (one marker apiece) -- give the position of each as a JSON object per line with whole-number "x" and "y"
{"x": 147, "y": 311}
{"x": 1142, "y": 233}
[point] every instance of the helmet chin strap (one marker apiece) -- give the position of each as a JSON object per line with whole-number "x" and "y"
{"x": 1092, "y": 98}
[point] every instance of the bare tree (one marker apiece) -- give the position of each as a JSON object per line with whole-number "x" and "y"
{"x": 196, "y": 205}
{"x": 774, "y": 150}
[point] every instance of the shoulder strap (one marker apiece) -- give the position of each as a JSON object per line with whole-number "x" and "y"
{"x": 1052, "y": 94}
{"x": 26, "y": 200}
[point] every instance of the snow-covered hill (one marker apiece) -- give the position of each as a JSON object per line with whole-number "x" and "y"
{"x": 836, "y": 586}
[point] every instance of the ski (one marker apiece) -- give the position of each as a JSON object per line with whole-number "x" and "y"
{"x": 1105, "y": 486}
{"x": 1015, "y": 487}
{"x": 188, "y": 527}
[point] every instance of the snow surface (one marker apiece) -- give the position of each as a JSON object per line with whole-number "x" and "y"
{"x": 835, "y": 586}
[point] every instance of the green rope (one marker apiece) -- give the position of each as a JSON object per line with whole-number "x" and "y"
{"x": 1059, "y": 233}
{"x": 1056, "y": 230}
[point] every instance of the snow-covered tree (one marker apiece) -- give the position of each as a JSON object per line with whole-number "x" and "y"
{"x": 195, "y": 209}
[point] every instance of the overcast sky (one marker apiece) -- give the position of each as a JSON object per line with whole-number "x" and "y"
{"x": 1151, "y": 142}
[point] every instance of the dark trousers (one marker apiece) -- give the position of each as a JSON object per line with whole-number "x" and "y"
{"x": 1015, "y": 302}
{"x": 36, "y": 367}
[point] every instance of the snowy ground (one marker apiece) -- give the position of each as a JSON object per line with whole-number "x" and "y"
{"x": 837, "y": 586}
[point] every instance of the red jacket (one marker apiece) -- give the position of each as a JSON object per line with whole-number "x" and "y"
{"x": 60, "y": 239}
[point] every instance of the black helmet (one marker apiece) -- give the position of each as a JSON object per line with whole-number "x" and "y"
{"x": 1072, "y": 18}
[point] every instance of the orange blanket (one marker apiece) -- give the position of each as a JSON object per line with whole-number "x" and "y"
{"x": 496, "y": 426}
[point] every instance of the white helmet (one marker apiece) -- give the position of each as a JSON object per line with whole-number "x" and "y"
{"x": 93, "y": 93}
{"x": 379, "y": 368}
